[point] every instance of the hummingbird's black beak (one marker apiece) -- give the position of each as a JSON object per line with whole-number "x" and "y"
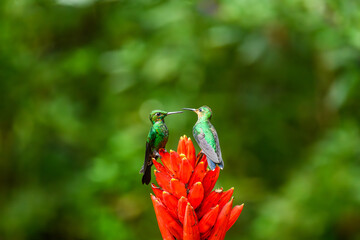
{"x": 190, "y": 109}
{"x": 169, "y": 113}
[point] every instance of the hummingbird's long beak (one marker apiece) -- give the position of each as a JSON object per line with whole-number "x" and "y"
{"x": 190, "y": 109}
{"x": 169, "y": 113}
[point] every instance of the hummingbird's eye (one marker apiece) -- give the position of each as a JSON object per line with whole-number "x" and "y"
{"x": 200, "y": 110}
{"x": 157, "y": 114}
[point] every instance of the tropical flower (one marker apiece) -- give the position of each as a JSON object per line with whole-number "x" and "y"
{"x": 186, "y": 206}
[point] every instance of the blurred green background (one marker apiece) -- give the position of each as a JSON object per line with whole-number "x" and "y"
{"x": 78, "y": 79}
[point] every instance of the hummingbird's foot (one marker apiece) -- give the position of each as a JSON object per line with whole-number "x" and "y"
{"x": 156, "y": 155}
{"x": 141, "y": 170}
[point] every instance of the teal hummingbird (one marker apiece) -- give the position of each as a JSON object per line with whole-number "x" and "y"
{"x": 157, "y": 138}
{"x": 207, "y": 137}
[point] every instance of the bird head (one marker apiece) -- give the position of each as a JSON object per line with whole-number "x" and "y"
{"x": 159, "y": 115}
{"x": 203, "y": 112}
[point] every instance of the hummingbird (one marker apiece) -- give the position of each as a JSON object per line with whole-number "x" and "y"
{"x": 207, "y": 137}
{"x": 157, "y": 138}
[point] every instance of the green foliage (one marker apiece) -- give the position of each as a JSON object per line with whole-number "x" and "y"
{"x": 78, "y": 79}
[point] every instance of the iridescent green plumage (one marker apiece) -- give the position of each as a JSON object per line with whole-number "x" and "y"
{"x": 206, "y": 136}
{"x": 157, "y": 138}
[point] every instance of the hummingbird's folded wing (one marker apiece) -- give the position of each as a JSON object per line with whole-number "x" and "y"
{"x": 146, "y": 168}
{"x": 206, "y": 147}
{"x": 147, "y": 158}
{"x": 218, "y": 150}
{"x": 148, "y": 151}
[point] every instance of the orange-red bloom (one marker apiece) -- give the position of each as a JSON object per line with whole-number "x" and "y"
{"x": 185, "y": 204}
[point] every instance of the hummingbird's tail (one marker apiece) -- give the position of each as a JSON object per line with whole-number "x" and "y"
{"x": 212, "y": 164}
{"x": 147, "y": 176}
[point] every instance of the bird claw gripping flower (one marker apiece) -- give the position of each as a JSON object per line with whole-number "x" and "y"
{"x": 186, "y": 206}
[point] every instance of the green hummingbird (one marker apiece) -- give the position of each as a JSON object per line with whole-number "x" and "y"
{"x": 206, "y": 137}
{"x": 157, "y": 138}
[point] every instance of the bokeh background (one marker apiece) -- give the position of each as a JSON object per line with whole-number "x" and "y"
{"x": 78, "y": 79}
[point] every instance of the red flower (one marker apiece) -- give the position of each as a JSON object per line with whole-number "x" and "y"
{"x": 185, "y": 205}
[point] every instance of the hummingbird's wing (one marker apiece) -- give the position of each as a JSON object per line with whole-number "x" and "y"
{"x": 202, "y": 138}
{"x": 218, "y": 150}
{"x": 213, "y": 131}
{"x": 146, "y": 168}
{"x": 147, "y": 157}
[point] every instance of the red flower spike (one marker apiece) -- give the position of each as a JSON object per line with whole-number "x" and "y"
{"x": 165, "y": 159}
{"x": 169, "y": 200}
{"x": 177, "y": 188}
{"x": 199, "y": 158}
{"x": 204, "y": 159}
{"x": 205, "y": 235}
{"x": 216, "y": 194}
{"x": 198, "y": 173}
{"x": 210, "y": 180}
{"x": 157, "y": 191}
{"x": 208, "y": 220}
{"x": 165, "y": 220}
{"x": 219, "y": 230}
{"x": 175, "y": 162}
{"x": 181, "y": 208}
{"x": 190, "y": 152}
{"x": 185, "y": 205}
{"x": 225, "y": 197}
{"x": 196, "y": 195}
{"x": 210, "y": 201}
{"x": 160, "y": 167}
{"x": 181, "y": 149}
{"x": 163, "y": 180}
{"x": 165, "y": 233}
{"x": 191, "y": 231}
{"x": 185, "y": 169}
{"x": 171, "y": 203}
{"x": 235, "y": 213}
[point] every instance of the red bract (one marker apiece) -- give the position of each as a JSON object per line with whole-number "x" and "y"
{"x": 186, "y": 206}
